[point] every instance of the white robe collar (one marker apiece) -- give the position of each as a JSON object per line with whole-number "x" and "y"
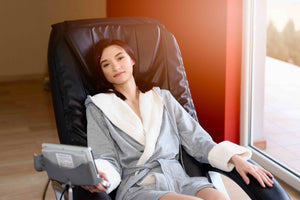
{"x": 121, "y": 115}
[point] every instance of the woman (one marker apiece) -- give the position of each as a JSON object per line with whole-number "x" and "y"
{"x": 135, "y": 133}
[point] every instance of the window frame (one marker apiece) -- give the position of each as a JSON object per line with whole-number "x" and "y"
{"x": 253, "y": 55}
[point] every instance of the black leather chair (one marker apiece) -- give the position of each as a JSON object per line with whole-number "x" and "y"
{"x": 159, "y": 60}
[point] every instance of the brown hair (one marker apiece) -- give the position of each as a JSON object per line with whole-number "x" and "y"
{"x": 102, "y": 85}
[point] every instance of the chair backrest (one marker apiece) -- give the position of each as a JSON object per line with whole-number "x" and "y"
{"x": 71, "y": 52}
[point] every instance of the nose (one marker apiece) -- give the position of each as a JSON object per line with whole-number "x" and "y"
{"x": 116, "y": 66}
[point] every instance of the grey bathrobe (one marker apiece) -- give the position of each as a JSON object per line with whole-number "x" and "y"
{"x": 123, "y": 151}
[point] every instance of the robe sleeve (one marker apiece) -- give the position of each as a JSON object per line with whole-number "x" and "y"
{"x": 103, "y": 147}
{"x": 221, "y": 154}
{"x": 194, "y": 139}
{"x": 199, "y": 144}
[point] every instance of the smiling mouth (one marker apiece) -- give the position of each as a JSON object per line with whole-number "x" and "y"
{"x": 118, "y": 74}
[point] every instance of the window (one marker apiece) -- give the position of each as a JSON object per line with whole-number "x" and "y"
{"x": 270, "y": 101}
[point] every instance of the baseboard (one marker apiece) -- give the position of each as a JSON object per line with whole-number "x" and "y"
{"x": 260, "y": 144}
{"x": 10, "y": 78}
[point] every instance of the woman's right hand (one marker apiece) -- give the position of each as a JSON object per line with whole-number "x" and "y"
{"x": 96, "y": 188}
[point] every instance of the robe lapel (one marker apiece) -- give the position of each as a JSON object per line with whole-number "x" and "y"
{"x": 122, "y": 116}
{"x": 151, "y": 107}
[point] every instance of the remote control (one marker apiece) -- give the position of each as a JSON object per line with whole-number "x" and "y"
{"x": 105, "y": 183}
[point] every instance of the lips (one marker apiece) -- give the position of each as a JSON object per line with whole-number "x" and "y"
{"x": 118, "y": 74}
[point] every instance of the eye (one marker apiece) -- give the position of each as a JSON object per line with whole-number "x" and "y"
{"x": 120, "y": 57}
{"x": 105, "y": 65}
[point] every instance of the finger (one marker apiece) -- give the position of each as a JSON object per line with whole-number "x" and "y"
{"x": 100, "y": 187}
{"x": 266, "y": 176}
{"x": 245, "y": 177}
{"x": 267, "y": 180}
{"x": 268, "y": 173}
{"x": 85, "y": 187}
{"x": 258, "y": 177}
{"x": 91, "y": 188}
{"x": 103, "y": 175}
{"x": 94, "y": 190}
{"x": 88, "y": 188}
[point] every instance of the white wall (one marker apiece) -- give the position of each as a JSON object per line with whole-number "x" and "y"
{"x": 25, "y": 29}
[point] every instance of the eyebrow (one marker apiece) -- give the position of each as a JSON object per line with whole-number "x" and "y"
{"x": 118, "y": 54}
{"x": 115, "y": 56}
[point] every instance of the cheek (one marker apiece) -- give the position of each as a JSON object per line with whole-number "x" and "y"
{"x": 129, "y": 64}
{"x": 106, "y": 73}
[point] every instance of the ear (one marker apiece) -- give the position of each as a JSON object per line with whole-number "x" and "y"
{"x": 132, "y": 62}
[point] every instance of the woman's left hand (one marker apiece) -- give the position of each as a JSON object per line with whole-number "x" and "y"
{"x": 244, "y": 167}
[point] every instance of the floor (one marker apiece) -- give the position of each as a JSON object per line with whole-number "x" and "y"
{"x": 26, "y": 121}
{"x": 282, "y": 112}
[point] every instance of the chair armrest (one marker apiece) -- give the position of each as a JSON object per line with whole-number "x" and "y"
{"x": 254, "y": 189}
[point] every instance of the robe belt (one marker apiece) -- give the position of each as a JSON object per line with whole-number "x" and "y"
{"x": 140, "y": 171}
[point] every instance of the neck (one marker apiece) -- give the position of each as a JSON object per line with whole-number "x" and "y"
{"x": 129, "y": 90}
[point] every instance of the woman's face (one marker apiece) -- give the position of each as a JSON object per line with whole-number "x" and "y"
{"x": 117, "y": 65}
